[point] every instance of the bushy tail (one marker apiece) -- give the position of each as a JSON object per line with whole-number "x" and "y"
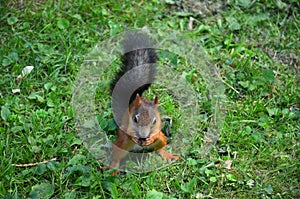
{"x": 138, "y": 51}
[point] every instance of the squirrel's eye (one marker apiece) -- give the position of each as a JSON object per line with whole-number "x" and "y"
{"x": 136, "y": 119}
{"x": 154, "y": 121}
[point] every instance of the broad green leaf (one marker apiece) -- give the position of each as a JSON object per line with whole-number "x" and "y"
{"x": 43, "y": 190}
{"x": 70, "y": 195}
{"x": 48, "y": 85}
{"x": 62, "y": 23}
{"x": 112, "y": 125}
{"x": 244, "y": 3}
{"x": 189, "y": 186}
{"x": 14, "y": 56}
{"x": 213, "y": 179}
{"x": 77, "y": 16}
{"x": 77, "y": 160}
{"x": 191, "y": 162}
{"x": 84, "y": 181}
{"x": 269, "y": 189}
{"x": 113, "y": 190}
{"x": 16, "y": 129}
{"x": 135, "y": 189}
{"x": 6, "y": 62}
{"x": 258, "y": 137}
{"x": 104, "y": 123}
{"x": 233, "y": 23}
{"x": 268, "y": 75}
{"x": 25, "y": 25}
{"x": 244, "y": 84}
{"x": 273, "y": 111}
{"x": 12, "y": 20}
{"x": 254, "y": 19}
{"x": 231, "y": 177}
{"x": 5, "y": 113}
{"x": 41, "y": 169}
{"x": 153, "y": 194}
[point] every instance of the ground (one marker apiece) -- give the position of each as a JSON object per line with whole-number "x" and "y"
{"x": 253, "y": 44}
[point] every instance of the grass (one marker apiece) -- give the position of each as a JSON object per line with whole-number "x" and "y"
{"x": 255, "y": 47}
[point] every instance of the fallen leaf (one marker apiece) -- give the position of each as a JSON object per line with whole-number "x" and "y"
{"x": 191, "y": 21}
{"x": 17, "y": 90}
{"x": 227, "y": 164}
{"x": 26, "y": 70}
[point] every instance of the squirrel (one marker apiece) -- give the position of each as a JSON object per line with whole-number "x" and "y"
{"x": 140, "y": 123}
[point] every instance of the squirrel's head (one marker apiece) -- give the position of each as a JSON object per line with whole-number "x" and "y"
{"x": 144, "y": 119}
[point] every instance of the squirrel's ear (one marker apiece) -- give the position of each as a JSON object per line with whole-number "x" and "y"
{"x": 156, "y": 100}
{"x": 138, "y": 100}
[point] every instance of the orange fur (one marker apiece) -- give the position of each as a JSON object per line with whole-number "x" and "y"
{"x": 126, "y": 140}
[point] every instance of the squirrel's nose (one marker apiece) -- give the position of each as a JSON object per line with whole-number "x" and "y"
{"x": 143, "y": 139}
{"x": 142, "y": 136}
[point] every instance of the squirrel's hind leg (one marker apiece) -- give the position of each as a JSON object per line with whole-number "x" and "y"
{"x": 121, "y": 148}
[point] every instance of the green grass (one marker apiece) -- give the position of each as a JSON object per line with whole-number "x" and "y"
{"x": 255, "y": 48}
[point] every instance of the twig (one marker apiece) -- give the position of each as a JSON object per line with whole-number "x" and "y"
{"x": 33, "y": 164}
{"x": 190, "y": 25}
{"x": 220, "y": 78}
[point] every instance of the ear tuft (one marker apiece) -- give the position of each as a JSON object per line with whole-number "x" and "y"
{"x": 156, "y": 100}
{"x": 138, "y": 100}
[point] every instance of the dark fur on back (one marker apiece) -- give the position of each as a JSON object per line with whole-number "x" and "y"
{"x": 138, "y": 50}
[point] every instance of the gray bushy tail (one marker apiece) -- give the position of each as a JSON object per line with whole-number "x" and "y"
{"x": 138, "y": 51}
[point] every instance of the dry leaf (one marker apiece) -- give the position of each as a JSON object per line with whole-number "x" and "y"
{"x": 25, "y": 71}
{"x": 17, "y": 90}
{"x": 190, "y": 26}
{"x": 227, "y": 164}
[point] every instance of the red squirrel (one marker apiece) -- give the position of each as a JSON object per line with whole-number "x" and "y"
{"x": 141, "y": 123}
